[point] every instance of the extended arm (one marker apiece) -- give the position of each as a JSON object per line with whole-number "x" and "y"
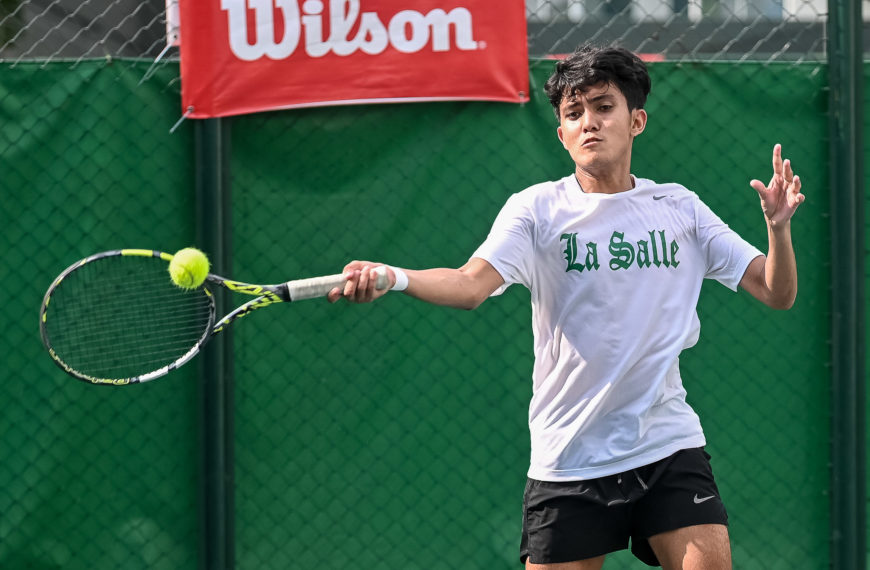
{"x": 772, "y": 279}
{"x": 463, "y": 288}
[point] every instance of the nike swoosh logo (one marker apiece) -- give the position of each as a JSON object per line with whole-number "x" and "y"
{"x": 698, "y": 500}
{"x": 658, "y": 197}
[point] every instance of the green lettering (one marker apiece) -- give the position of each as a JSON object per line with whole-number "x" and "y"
{"x": 592, "y": 256}
{"x": 655, "y": 250}
{"x": 622, "y": 252}
{"x": 665, "y": 260}
{"x": 571, "y": 252}
{"x": 643, "y": 253}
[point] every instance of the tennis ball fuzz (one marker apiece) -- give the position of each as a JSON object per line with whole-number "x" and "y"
{"x": 188, "y": 268}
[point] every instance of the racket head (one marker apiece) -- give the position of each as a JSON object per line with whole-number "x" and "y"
{"x": 116, "y": 318}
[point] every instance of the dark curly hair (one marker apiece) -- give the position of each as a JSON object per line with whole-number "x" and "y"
{"x": 590, "y": 65}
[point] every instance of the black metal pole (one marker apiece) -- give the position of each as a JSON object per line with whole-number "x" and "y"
{"x": 216, "y": 361}
{"x": 848, "y": 405}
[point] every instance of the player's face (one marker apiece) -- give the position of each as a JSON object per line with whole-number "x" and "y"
{"x": 597, "y": 128}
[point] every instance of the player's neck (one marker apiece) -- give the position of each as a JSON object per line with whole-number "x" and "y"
{"x": 608, "y": 182}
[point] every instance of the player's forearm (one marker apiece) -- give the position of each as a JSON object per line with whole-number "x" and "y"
{"x": 780, "y": 268}
{"x": 448, "y": 287}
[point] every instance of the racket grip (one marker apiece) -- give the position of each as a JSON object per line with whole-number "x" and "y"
{"x": 314, "y": 287}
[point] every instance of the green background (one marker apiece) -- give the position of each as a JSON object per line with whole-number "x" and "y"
{"x": 390, "y": 435}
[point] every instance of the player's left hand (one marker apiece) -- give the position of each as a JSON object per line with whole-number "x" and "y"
{"x": 782, "y": 196}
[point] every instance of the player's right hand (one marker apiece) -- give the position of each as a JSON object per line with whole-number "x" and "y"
{"x": 360, "y": 285}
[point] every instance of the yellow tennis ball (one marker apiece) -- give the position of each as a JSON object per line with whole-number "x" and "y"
{"x": 188, "y": 268}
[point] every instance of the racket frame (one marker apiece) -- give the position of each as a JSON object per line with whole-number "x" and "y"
{"x": 264, "y": 295}
{"x": 161, "y": 371}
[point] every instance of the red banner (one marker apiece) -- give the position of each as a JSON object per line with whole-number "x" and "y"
{"x": 244, "y": 56}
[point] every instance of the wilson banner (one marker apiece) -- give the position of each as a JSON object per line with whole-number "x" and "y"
{"x": 245, "y": 56}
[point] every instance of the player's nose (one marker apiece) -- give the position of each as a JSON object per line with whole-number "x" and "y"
{"x": 590, "y": 122}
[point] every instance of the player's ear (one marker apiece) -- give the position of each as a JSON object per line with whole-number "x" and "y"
{"x": 638, "y": 121}
{"x": 560, "y": 135}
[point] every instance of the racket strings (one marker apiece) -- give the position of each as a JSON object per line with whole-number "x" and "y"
{"x": 121, "y": 317}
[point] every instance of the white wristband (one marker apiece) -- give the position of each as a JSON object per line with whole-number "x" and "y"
{"x": 401, "y": 279}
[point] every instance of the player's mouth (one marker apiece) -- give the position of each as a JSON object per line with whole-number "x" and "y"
{"x": 591, "y": 141}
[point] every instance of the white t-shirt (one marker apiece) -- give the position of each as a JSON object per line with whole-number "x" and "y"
{"x": 614, "y": 281}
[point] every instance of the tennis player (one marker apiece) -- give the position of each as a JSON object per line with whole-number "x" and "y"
{"x": 614, "y": 264}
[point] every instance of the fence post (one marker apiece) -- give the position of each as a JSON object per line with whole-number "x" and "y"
{"x": 214, "y": 236}
{"x": 848, "y": 493}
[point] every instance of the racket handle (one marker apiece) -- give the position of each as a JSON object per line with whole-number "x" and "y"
{"x": 314, "y": 287}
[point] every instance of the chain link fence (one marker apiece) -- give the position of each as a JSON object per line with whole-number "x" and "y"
{"x": 763, "y": 30}
{"x": 392, "y": 435}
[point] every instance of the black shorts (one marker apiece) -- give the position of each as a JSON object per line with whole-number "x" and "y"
{"x": 576, "y": 520}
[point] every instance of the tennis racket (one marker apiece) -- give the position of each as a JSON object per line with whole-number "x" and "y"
{"x": 116, "y": 317}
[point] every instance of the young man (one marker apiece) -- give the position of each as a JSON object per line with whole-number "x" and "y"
{"x": 614, "y": 264}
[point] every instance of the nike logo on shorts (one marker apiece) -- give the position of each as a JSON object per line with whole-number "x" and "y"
{"x": 698, "y": 500}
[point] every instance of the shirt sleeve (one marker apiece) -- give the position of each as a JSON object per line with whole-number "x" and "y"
{"x": 727, "y": 254}
{"x": 509, "y": 247}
